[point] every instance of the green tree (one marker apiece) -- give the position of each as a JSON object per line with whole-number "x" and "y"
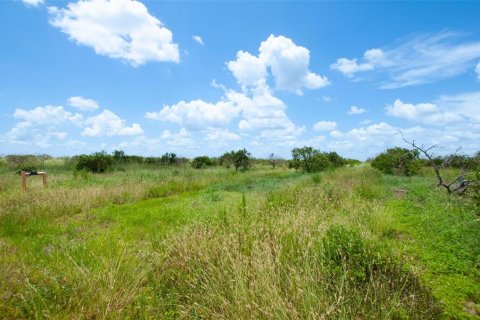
{"x": 169, "y": 158}
{"x": 303, "y": 157}
{"x": 201, "y": 162}
{"x": 240, "y": 159}
{"x": 398, "y": 161}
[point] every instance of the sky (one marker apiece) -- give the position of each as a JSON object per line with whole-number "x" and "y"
{"x": 202, "y": 78}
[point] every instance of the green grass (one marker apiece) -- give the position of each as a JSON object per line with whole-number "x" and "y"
{"x": 441, "y": 235}
{"x": 175, "y": 243}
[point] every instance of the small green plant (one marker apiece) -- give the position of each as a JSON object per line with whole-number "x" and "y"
{"x": 316, "y": 177}
{"x": 345, "y": 252}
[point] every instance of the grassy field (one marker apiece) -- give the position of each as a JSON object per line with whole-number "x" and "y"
{"x": 174, "y": 242}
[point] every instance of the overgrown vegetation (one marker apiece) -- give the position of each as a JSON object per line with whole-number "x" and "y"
{"x": 241, "y": 159}
{"x": 399, "y": 161}
{"x": 202, "y": 162}
{"x": 168, "y": 241}
{"x": 26, "y": 162}
{"x": 309, "y": 159}
{"x": 98, "y": 162}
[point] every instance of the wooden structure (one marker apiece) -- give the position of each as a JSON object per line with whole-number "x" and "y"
{"x": 25, "y": 174}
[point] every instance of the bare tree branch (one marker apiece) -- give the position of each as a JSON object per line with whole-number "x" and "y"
{"x": 459, "y": 184}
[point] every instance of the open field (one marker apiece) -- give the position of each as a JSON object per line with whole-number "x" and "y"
{"x": 174, "y": 242}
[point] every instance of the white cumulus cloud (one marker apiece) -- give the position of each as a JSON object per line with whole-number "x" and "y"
{"x": 181, "y": 139}
{"x": 33, "y": 3}
{"x": 325, "y": 126}
{"x": 349, "y": 67}
{"x": 83, "y": 104}
{"x": 281, "y": 58}
{"x": 108, "y": 123}
{"x": 219, "y": 134}
{"x": 248, "y": 69}
{"x": 356, "y": 110}
{"x": 39, "y": 126}
{"x": 427, "y": 113}
{"x": 196, "y": 114}
{"x": 120, "y": 29}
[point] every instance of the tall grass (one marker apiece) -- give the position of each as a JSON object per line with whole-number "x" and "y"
{"x": 271, "y": 248}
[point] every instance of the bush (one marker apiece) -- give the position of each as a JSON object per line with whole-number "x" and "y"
{"x": 312, "y": 160}
{"x": 345, "y": 251}
{"x": 26, "y": 162}
{"x": 98, "y": 162}
{"x": 201, "y": 162}
{"x": 398, "y": 161}
{"x": 240, "y": 159}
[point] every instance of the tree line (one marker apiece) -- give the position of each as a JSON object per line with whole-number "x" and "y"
{"x": 306, "y": 159}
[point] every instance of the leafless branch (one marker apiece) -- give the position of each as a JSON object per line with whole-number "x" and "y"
{"x": 459, "y": 184}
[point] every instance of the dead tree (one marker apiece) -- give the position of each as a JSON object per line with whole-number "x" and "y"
{"x": 459, "y": 184}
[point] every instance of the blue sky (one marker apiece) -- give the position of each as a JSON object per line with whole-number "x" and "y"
{"x": 205, "y": 77}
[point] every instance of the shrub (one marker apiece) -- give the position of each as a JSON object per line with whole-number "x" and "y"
{"x": 312, "y": 160}
{"x": 26, "y": 162}
{"x": 201, "y": 162}
{"x": 98, "y": 162}
{"x": 169, "y": 158}
{"x": 398, "y": 161}
{"x": 345, "y": 251}
{"x": 320, "y": 162}
{"x": 240, "y": 159}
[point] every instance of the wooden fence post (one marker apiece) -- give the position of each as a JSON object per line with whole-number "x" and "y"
{"x": 44, "y": 178}
{"x": 24, "y": 180}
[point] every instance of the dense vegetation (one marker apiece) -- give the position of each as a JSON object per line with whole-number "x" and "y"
{"x": 157, "y": 238}
{"x": 398, "y": 161}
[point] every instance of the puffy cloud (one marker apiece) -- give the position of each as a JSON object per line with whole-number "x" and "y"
{"x": 416, "y": 60}
{"x": 33, "y": 3}
{"x": 198, "y": 39}
{"x": 477, "y": 70}
{"x": 325, "y": 126}
{"x": 283, "y": 137}
{"x": 197, "y": 114}
{"x": 181, "y": 139}
{"x": 48, "y": 115}
{"x": 108, "y": 123}
{"x": 82, "y": 103}
{"x": 349, "y": 67}
{"x": 120, "y": 29}
{"x": 260, "y": 110}
{"x": 255, "y": 105}
{"x": 221, "y": 135}
{"x": 287, "y": 62}
{"x": 356, "y": 110}
{"x": 427, "y": 113}
{"x": 367, "y": 141}
{"x": 39, "y": 126}
{"x": 249, "y": 70}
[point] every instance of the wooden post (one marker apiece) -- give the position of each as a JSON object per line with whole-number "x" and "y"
{"x": 44, "y": 178}
{"x": 24, "y": 180}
